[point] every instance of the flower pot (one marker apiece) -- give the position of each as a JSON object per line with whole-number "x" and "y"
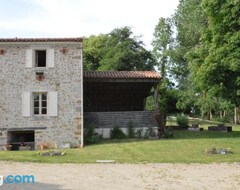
{"x": 8, "y": 147}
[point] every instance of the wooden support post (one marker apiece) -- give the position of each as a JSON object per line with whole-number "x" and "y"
{"x": 155, "y": 98}
{"x": 144, "y": 104}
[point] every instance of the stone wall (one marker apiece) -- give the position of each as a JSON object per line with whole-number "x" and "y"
{"x": 104, "y": 121}
{"x": 64, "y": 78}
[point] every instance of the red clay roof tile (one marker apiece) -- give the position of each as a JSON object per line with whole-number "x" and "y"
{"x": 41, "y": 39}
{"x": 122, "y": 74}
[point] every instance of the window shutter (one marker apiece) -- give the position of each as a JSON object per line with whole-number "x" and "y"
{"x": 29, "y": 58}
{"x": 26, "y": 104}
{"x": 50, "y": 57}
{"x": 52, "y": 104}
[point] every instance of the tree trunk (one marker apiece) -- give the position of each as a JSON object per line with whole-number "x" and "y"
{"x": 235, "y": 115}
{"x": 220, "y": 114}
{"x": 210, "y": 114}
{"x": 224, "y": 113}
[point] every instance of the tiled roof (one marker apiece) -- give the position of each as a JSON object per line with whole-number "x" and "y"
{"x": 41, "y": 39}
{"x": 122, "y": 74}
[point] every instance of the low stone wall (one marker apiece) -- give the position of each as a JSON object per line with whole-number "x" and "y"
{"x": 104, "y": 121}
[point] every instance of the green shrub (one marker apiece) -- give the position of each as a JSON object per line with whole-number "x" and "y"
{"x": 222, "y": 120}
{"x": 88, "y": 133}
{"x": 117, "y": 133}
{"x": 131, "y": 131}
{"x": 168, "y": 133}
{"x": 150, "y": 133}
{"x": 90, "y": 136}
{"x": 182, "y": 120}
{"x": 138, "y": 133}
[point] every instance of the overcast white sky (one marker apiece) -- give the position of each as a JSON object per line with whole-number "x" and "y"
{"x": 77, "y": 18}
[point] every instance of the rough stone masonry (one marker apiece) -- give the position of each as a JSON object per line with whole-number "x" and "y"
{"x": 60, "y": 80}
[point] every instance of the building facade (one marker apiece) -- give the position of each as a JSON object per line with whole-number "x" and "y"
{"x": 41, "y": 92}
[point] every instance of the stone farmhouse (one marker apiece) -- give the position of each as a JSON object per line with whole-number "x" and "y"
{"x": 45, "y": 97}
{"x": 41, "y": 92}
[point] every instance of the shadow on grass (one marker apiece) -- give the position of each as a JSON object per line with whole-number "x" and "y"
{"x": 205, "y": 134}
{"x": 115, "y": 141}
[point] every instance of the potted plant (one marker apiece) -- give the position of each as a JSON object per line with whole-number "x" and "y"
{"x": 8, "y": 147}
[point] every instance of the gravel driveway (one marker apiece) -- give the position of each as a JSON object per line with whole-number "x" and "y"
{"x": 123, "y": 176}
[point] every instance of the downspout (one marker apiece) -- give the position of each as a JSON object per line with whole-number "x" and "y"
{"x": 81, "y": 89}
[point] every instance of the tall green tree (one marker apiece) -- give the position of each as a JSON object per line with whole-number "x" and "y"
{"x": 189, "y": 21}
{"x": 124, "y": 51}
{"x": 119, "y": 50}
{"x": 215, "y": 63}
{"x": 93, "y": 51}
{"x": 162, "y": 44}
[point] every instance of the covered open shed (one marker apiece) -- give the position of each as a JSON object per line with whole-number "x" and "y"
{"x": 117, "y": 97}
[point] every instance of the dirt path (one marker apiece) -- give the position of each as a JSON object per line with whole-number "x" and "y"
{"x": 124, "y": 176}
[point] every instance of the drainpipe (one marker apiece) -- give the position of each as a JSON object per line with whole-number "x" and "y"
{"x": 81, "y": 89}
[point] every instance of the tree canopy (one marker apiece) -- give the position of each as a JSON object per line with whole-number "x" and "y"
{"x": 118, "y": 50}
{"x": 205, "y": 54}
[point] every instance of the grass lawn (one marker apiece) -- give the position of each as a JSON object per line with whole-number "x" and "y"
{"x": 186, "y": 147}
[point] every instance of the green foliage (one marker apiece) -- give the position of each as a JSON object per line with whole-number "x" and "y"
{"x": 206, "y": 102}
{"x": 90, "y": 136}
{"x": 131, "y": 131}
{"x": 138, "y": 133}
{"x": 222, "y": 119}
{"x": 117, "y": 133}
{"x": 204, "y": 57}
{"x": 172, "y": 97}
{"x": 187, "y": 100}
{"x": 215, "y": 62}
{"x": 167, "y": 102}
{"x": 168, "y": 133}
{"x": 189, "y": 20}
{"x": 182, "y": 120}
{"x": 150, "y": 103}
{"x": 162, "y": 44}
{"x": 150, "y": 133}
{"x": 119, "y": 50}
{"x": 93, "y": 51}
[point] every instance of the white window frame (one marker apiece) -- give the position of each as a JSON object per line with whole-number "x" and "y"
{"x": 40, "y": 103}
{"x": 31, "y": 57}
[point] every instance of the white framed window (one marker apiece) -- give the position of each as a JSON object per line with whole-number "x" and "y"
{"x": 40, "y": 57}
{"x": 40, "y": 103}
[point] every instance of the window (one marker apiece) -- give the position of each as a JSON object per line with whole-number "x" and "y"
{"x": 41, "y": 58}
{"x": 40, "y": 103}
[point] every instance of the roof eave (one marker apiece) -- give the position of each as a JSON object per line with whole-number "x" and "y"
{"x": 149, "y": 80}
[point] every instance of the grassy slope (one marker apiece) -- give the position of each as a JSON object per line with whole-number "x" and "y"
{"x": 186, "y": 147}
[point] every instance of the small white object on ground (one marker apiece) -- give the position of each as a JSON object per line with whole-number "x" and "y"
{"x": 106, "y": 161}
